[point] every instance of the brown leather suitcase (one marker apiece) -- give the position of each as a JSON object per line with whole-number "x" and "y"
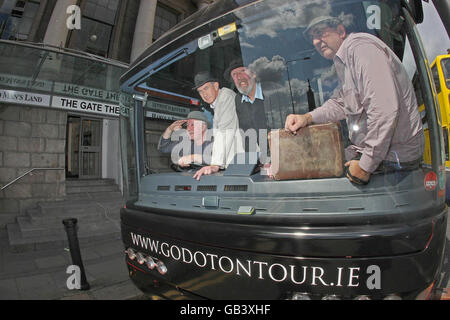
{"x": 316, "y": 151}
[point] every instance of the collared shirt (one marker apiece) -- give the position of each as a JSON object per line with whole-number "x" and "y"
{"x": 213, "y": 105}
{"x": 377, "y": 98}
{"x": 258, "y": 94}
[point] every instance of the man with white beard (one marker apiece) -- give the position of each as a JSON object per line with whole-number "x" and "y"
{"x": 249, "y": 103}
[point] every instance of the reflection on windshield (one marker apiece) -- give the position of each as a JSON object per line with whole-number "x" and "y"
{"x": 268, "y": 38}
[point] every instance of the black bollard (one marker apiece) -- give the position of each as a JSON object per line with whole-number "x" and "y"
{"x": 71, "y": 229}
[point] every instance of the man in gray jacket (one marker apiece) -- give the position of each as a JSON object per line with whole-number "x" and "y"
{"x": 227, "y": 138}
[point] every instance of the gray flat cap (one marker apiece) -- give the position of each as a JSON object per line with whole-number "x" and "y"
{"x": 328, "y": 20}
{"x": 198, "y": 115}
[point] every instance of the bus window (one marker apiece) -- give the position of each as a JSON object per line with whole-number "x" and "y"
{"x": 445, "y": 63}
{"x": 436, "y": 78}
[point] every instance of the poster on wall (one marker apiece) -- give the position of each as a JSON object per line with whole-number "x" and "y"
{"x": 86, "y": 106}
{"x": 27, "y": 98}
{"x": 80, "y": 105}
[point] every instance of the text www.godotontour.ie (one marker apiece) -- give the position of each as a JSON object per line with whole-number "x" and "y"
{"x": 348, "y": 276}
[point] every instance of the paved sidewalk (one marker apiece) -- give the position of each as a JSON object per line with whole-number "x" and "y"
{"x": 41, "y": 275}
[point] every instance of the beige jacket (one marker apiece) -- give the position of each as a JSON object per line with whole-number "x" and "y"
{"x": 227, "y": 138}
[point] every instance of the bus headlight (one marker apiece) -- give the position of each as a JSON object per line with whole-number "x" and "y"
{"x": 151, "y": 264}
{"x": 131, "y": 254}
{"x": 161, "y": 267}
{"x": 331, "y": 297}
{"x": 140, "y": 258}
{"x": 300, "y": 296}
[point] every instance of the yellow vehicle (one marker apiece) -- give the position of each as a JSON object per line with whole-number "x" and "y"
{"x": 440, "y": 70}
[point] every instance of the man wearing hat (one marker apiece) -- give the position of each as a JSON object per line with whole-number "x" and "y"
{"x": 227, "y": 139}
{"x": 375, "y": 96}
{"x": 195, "y": 149}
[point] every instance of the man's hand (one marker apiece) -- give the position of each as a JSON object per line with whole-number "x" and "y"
{"x": 206, "y": 170}
{"x": 355, "y": 170}
{"x": 173, "y": 127}
{"x": 267, "y": 170}
{"x": 297, "y": 121}
{"x": 185, "y": 161}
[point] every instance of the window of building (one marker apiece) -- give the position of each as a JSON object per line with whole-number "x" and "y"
{"x": 16, "y": 18}
{"x": 97, "y": 23}
{"x": 104, "y": 10}
{"x": 165, "y": 19}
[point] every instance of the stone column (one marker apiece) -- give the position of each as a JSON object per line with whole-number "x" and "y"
{"x": 143, "y": 33}
{"x": 57, "y": 30}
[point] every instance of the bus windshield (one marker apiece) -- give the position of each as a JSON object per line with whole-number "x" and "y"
{"x": 271, "y": 41}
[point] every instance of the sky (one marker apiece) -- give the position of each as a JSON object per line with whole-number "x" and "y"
{"x": 432, "y": 31}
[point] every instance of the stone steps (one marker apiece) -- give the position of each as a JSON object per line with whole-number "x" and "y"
{"x": 89, "y": 182}
{"x": 94, "y": 203}
{"x": 100, "y": 195}
{"x": 58, "y": 240}
{"x": 91, "y": 189}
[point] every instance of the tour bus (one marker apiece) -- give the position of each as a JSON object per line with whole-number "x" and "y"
{"x": 239, "y": 233}
{"x": 440, "y": 71}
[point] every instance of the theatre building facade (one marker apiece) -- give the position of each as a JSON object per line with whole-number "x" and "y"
{"x": 60, "y": 64}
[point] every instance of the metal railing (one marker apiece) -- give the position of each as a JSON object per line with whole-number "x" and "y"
{"x": 26, "y": 173}
{"x": 66, "y": 51}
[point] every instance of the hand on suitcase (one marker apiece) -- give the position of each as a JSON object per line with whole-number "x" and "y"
{"x": 297, "y": 121}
